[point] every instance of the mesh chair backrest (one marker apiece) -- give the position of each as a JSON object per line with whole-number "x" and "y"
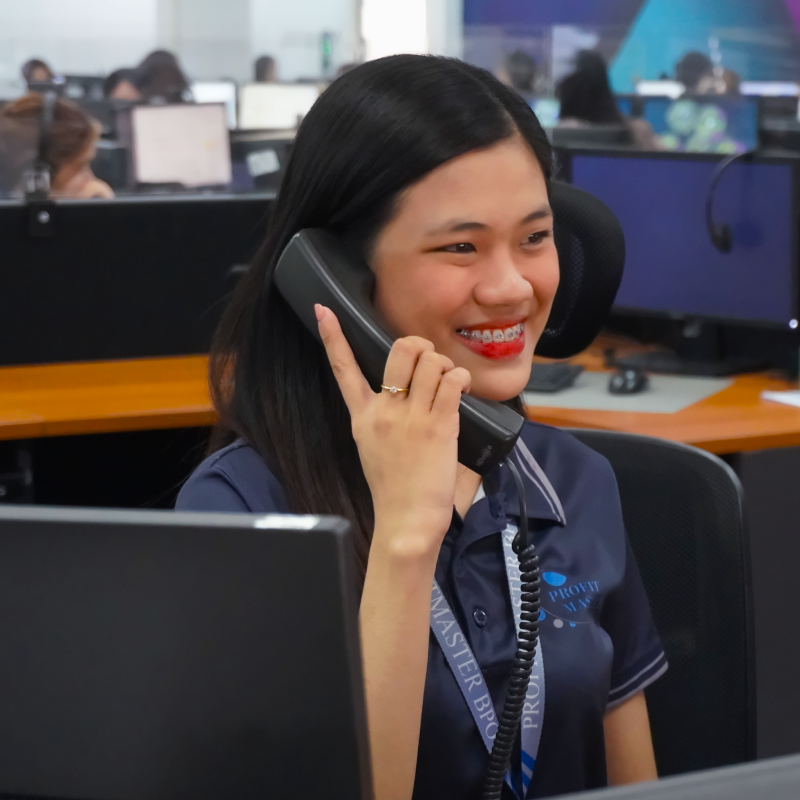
{"x": 591, "y": 253}
{"x": 683, "y": 513}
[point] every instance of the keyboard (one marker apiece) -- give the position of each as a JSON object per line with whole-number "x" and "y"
{"x": 552, "y": 378}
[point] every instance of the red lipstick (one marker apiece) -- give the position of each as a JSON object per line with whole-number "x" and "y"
{"x": 496, "y": 340}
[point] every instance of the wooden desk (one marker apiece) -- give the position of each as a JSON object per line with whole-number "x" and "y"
{"x": 105, "y": 396}
{"x": 735, "y": 420}
{"x": 147, "y": 394}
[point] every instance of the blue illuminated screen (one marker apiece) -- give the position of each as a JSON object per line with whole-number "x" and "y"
{"x": 672, "y": 265}
{"x": 704, "y": 125}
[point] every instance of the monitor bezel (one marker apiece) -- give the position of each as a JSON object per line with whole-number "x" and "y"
{"x": 565, "y": 157}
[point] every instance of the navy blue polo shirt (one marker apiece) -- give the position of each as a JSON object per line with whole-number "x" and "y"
{"x": 599, "y": 644}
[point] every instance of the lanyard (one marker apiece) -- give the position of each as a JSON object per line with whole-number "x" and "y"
{"x": 468, "y": 675}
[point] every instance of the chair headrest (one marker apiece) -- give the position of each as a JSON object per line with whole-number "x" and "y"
{"x": 591, "y": 253}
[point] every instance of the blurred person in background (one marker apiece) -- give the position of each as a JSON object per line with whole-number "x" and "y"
{"x": 121, "y": 85}
{"x": 587, "y": 99}
{"x": 692, "y": 69}
{"x": 265, "y": 70}
{"x": 36, "y": 71}
{"x": 160, "y": 79}
{"x": 727, "y": 83}
{"x": 69, "y": 149}
{"x": 519, "y": 72}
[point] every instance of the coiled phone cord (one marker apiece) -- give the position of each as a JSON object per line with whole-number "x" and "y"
{"x": 530, "y": 579}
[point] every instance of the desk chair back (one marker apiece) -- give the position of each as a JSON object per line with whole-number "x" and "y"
{"x": 683, "y": 514}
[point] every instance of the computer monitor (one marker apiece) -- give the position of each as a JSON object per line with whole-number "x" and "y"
{"x": 84, "y": 87}
{"x": 547, "y": 110}
{"x": 155, "y": 654}
{"x": 672, "y": 268}
{"x": 770, "y": 88}
{"x": 259, "y": 159}
{"x": 184, "y": 144}
{"x": 275, "y": 106}
{"x": 775, "y": 779}
{"x": 704, "y": 124}
{"x": 217, "y": 92}
{"x": 132, "y": 277}
{"x": 673, "y": 89}
{"x": 106, "y": 112}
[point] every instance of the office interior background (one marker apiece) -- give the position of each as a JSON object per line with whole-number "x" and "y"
{"x": 682, "y": 116}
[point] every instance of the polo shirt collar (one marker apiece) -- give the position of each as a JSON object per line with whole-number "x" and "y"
{"x": 541, "y": 498}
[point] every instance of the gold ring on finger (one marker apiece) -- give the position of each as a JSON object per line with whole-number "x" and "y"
{"x": 394, "y": 389}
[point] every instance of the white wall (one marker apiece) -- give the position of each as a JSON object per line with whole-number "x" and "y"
{"x": 90, "y": 37}
{"x": 413, "y": 26}
{"x": 291, "y": 30}
{"x": 210, "y": 37}
{"x": 213, "y": 38}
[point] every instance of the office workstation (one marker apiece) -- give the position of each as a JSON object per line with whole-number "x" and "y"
{"x": 185, "y": 483}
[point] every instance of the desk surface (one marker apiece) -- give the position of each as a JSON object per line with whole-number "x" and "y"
{"x": 100, "y": 397}
{"x": 104, "y": 396}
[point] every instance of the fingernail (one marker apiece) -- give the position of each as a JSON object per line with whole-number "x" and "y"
{"x": 319, "y": 311}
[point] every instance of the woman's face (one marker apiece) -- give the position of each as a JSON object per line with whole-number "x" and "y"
{"x": 469, "y": 263}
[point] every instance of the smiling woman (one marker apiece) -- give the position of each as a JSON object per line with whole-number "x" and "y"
{"x": 436, "y": 177}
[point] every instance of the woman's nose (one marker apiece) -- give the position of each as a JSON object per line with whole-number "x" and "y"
{"x": 501, "y": 283}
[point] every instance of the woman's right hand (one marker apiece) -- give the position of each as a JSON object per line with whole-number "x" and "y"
{"x": 407, "y": 441}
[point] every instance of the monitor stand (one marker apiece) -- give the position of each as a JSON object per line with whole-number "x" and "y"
{"x": 699, "y": 351}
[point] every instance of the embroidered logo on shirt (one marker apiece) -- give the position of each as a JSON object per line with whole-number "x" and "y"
{"x": 565, "y": 602}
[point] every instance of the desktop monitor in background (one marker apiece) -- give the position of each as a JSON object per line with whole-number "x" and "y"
{"x": 704, "y": 124}
{"x": 84, "y": 87}
{"x": 547, "y": 110}
{"x": 275, "y": 106}
{"x": 184, "y": 144}
{"x": 770, "y": 88}
{"x": 672, "y": 268}
{"x": 164, "y": 655}
{"x": 672, "y": 89}
{"x": 217, "y": 92}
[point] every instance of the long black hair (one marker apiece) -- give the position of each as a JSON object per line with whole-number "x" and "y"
{"x": 586, "y": 94}
{"x": 375, "y": 131}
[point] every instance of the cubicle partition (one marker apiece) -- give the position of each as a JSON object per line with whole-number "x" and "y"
{"x": 124, "y": 278}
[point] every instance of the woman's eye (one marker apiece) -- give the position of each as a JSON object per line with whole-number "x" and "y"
{"x": 462, "y": 248}
{"x": 538, "y": 237}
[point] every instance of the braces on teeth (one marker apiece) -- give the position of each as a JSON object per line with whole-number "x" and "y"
{"x": 494, "y": 335}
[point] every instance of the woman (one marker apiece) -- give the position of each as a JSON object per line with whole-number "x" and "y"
{"x": 437, "y": 175}
{"x": 121, "y": 85}
{"x": 586, "y": 99}
{"x": 159, "y": 79}
{"x": 70, "y": 148}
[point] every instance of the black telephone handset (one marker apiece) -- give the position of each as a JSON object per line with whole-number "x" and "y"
{"x": 316, "y": 267}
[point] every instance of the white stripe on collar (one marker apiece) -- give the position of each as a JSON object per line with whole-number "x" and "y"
{"x": 540, "y": 481}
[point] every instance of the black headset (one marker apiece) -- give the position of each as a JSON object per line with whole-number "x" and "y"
{"x": 720, "y": 234}
{"x": 38, "y": 182}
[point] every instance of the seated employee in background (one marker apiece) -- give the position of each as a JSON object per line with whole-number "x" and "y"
{"x": 692, "y": 69}
{"x": 265, "y": 70}
{"x": 437, "y": 175}
{"x": 69, "y": 152}
{"x": 121, "y": 85}
{"x": 586, "y": 99}
{"x": 160, "y": 79}
{"x": 519, "y": 72}
{"x": 36, "y": 71}
{"x": 727, "y": 83}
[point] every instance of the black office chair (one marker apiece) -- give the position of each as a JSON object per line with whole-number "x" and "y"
{"x": 683, "y": 513}
{"x": 591, "y": 254}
